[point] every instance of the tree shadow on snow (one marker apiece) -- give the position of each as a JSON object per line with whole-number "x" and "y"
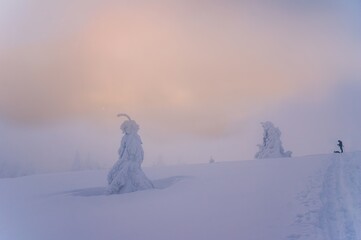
{"x": 89, "y": 192}
{"x": 167, "y": 182}
{"x": 102, "y": 191}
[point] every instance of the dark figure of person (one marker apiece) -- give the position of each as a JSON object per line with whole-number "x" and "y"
{"x": 340, "y": 144}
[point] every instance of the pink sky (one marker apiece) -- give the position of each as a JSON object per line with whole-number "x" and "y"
{"x": 198, "y": 76}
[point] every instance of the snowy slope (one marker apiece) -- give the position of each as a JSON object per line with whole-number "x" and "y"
{"x": 332, "y": 202}
{"x": 314, "y": 197}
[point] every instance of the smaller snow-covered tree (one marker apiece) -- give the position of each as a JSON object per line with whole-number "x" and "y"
{"x": 77, "y": 162}
{"x": 10, "y": 169}
{"x": 80, "y": 164}
{"x": 272, "y": 144}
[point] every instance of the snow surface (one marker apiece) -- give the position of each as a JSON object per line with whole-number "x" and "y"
{"x": 314, "y": 197}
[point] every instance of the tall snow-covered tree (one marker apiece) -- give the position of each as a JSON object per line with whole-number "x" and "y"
{"x": 126, "y": 175}
{"x": 272, "y": 144}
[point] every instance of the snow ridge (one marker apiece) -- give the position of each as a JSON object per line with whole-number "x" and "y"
{"x": 340, "y": 215}
{"x": 335, "y": 212}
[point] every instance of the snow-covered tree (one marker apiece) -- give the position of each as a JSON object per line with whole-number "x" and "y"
{"x": 77, "y": 162}
{"x": 11, "y": 169}
{"x": 80, "y": 164}
{"x": 272, "y": 144}
{"x": 126, "y": 175}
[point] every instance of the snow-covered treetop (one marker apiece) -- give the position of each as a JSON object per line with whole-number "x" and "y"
{"x": 272, "y": 144}
{"x": 129, "y": 126}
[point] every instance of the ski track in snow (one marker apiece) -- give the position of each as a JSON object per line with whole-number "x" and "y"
{"x": 332, "y": 202}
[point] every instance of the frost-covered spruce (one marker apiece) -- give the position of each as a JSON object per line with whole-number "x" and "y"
{"x": 272, "y": 144}
{"x": 126, "y": 175}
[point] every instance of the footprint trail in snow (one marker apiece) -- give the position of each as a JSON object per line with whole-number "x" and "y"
{"x": 332, "y": 202}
